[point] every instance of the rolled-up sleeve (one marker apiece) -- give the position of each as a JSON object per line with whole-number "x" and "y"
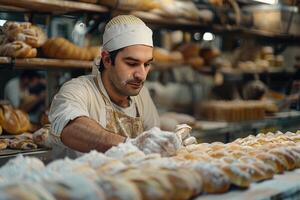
{"x": 69, "y": 103}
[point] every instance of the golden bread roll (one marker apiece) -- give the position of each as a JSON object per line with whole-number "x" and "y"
{"x": 63, "y": 49}
{"x": 283, "y": 155}
{"x": 236, "y": 176}
{"x": 255, "y": 173}
{"x": 214, "y": 179}
{"x": 161, "y": 55}
{"x": 272, "y": 160}
{"x": 117, "y": 188}
{"x": 267, "y": 169}
{"x": 149, "y": 188}
{"x": 13, "y": 121}
{"x": 24, "y": 32}
{"x": 179, "y": 182}
{"x": 17, "y": 49}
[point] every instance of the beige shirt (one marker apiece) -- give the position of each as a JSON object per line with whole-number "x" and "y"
{"x": 80, "y": 97}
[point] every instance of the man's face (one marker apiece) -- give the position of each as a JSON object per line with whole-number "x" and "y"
{"x": 131, "y": 67}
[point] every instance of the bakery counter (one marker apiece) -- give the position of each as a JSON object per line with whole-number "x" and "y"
{"x": 284, "y": 186}
{"x": 43, "y": 154}
{"x": 227, "y": 132}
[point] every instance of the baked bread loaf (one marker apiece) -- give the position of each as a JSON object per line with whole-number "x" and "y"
{"x": 116, "y": 188}
{"x": 24, "y": 32}
{"x": 149, "y": 188}
{"x": 17, "y": 49}
{"x": 63, "y": 49}
{"x": 13, "y": 121}
{"x": 163, "y": 55}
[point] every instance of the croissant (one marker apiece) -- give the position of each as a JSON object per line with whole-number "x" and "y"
{"x": 17, "y": 49}
{"x": 63, "y": 49}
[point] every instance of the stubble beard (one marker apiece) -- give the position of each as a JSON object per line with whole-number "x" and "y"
{"x": 121, "y": 87}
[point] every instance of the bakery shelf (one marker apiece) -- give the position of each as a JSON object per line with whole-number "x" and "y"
{"x": 172, "y": 23}
{"x": 44, "y": 63}
{"x": 54, "y": 6}
{"x": 228, "y": 131}
{"x": 271, "y": 37}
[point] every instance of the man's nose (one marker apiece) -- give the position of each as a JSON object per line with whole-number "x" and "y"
{"x": 141, "y": 73}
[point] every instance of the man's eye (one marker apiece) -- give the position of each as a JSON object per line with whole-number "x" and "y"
{"x": 132, "y": 64}
{"x": 147, "y": 64}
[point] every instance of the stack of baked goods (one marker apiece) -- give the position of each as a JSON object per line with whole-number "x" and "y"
{"x": 264, "y": 60}
{"x": 61, "y": 48}
{"x": 235, "y": 111}
{"x": 165, "y": 56}
{"x": 187, "y": 10}
{"x": 198, "y": 56}
{"x": 125, "y": 172}
{"x": 20, "y": 40}
{"x": 24, "y": 141}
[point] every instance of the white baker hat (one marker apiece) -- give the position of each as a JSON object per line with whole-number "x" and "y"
{"x": 126, "y": 30}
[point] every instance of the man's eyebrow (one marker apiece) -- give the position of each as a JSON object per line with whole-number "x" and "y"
{"x": 136, "y": 60}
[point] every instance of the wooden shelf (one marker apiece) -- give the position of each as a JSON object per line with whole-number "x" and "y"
{"x": 157, "y": 20}
{"x": 271, "y": 37}
{"x": 44, "y": 63}
{"x": 53, "y": 6}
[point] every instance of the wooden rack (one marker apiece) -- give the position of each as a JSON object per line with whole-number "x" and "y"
{"x": 44, "y": 63}
{"x": 53, "y": 6}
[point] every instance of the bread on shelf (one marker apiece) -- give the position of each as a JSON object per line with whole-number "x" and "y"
{"x": 17, "y": 49}
{"x": 13, "y": 121}
{"x": 63, "y": 49}
{"x": 20, "y": 40}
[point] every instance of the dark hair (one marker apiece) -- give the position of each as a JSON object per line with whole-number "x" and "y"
{"x": 30, "y": 74}
{"x": 112, "y": 55}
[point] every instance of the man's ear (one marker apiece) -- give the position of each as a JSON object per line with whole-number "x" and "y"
{"x": 105, "y": 58}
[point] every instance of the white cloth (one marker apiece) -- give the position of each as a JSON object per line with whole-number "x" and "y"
{"x": 80, "y": 97}
{"x": 123, "y": 35}
{"x": 12, "y": 92}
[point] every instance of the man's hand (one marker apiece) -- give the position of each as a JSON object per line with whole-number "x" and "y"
{"x": 157, "y": 141}
{"x": 183, "y": 131}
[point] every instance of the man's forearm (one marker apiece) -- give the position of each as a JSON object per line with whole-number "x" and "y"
{"x": 84, "y": 134}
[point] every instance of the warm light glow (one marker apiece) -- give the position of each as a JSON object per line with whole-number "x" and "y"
{"x": 2, "y": 22}
{"x": 268, "y": 1}
{"x": 207, "y": 36}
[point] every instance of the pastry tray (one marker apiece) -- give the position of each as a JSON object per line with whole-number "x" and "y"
{"x": 283, "y": 186}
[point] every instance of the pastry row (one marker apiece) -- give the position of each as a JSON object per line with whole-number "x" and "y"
{"x": 125, "y": 172}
